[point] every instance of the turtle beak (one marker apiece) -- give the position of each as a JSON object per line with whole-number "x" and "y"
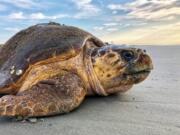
{"x": 139, "y": 68}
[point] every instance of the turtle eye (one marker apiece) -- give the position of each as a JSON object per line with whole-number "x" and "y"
{"x": 102, "y": 52}
{"x": 128, "y": 55}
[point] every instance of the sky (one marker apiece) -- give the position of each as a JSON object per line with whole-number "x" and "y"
{"x": 132, "y": 22}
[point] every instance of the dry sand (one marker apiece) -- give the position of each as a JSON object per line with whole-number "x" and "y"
{"x": 150, "y": 108}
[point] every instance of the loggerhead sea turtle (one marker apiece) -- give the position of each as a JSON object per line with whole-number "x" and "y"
{"x": 48, "y": 69}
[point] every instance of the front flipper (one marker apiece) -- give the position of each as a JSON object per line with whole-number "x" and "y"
{"x": 59, "y": 94}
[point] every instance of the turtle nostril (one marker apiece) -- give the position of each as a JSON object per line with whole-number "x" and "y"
{"x": 128, "y": 55}
{"x": 139, "y": 50}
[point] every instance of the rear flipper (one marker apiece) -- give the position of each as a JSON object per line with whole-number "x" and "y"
{"x": 59, "y": 94}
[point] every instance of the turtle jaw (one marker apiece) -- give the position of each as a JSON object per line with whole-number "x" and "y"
{"x": 136, "y": 77}
{"x": 137, "y": 71}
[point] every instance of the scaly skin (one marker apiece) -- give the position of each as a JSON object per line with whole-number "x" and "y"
{"x": 59, "y": 94}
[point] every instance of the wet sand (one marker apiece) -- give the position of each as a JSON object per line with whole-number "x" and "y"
{"x": 150, "y": 108}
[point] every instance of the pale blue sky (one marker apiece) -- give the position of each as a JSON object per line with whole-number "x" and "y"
{"x": 153, "y": 22}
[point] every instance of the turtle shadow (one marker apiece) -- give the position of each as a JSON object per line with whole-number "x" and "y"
{"x": 5, "y": 119}
{"x": 120, "y": 97}
{"x": 88, "y": 104}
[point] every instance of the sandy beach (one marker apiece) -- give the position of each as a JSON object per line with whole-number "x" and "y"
{"x": 150, "y": 108}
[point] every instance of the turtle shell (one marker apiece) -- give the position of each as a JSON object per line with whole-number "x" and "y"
{"x": 37, "y": 43}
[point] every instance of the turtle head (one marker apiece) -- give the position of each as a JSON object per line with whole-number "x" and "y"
{"x": 118, "y": 68}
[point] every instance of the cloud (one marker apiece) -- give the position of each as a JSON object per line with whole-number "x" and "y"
{"x": 21, "y": 3}
{"x": 112, "y": 29}
{"x": 115, "y": 26}
{"x": 107, "y": 27}
{"x": 18, "y": 16}
{"x": 86, "y": 9}
{"x": 167, "y": 34}
{"x": 41, "y": 16}
{"x": 35, "y": 16}
{"x": 117, "y": 7}
{"x": 12, "y": 29}
{"x": 148, "y": 9}
{"x": 98, "y": 28}
{"x": 3, "y": 7}
{"x": 114, "y": 12}
{"x": 26, "y": 4}
{"x": 110, "y": 24}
